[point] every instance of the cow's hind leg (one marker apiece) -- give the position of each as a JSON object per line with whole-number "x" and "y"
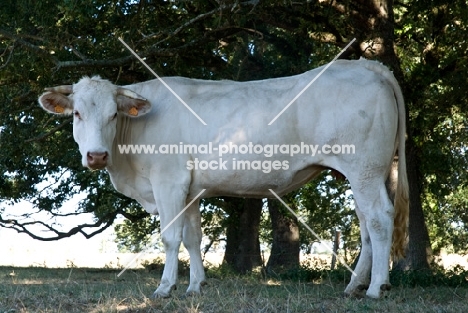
{"x": 376, "y": 216}
{"x": 192, "y": 237}
{"x": 360, "y": 278}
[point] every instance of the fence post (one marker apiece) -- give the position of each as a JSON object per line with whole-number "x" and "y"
{"x": 336, "y": 245}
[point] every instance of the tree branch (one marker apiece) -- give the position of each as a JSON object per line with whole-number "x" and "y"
{"x": 150, "y": 52}
{"x": 23, "y": 228}
{"x": 27, "y": 45}
{"x": 134, "y": 217}
{"x": 94, "y": 63}
{"x": 12, "y": 49}
{"x": 51, "y": 132}
{"x": 196, "y": 19}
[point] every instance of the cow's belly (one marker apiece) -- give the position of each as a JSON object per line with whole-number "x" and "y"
{"x": 252, "y": 183}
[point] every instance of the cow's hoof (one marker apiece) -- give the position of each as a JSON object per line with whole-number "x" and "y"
{"x": 385, "y": 287}
{"x": 195, "y": 290}
{"x": 163, "y": 293}
{"x": 362, "y": 287}
{"x": 359, "y": 292}
{"x": 191, "y": 294}
{"x": 377, "y": 294}
{"x": 160, "y": 295}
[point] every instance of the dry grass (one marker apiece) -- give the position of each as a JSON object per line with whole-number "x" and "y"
{"x": 96, "y": 291}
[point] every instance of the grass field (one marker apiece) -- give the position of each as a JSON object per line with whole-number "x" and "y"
{"x": 36, "y": 289}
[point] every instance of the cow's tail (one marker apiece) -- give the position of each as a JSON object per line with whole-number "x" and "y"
{"x": 401, "y": 201}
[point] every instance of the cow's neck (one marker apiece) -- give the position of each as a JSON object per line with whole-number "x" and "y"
{"x": 122, "y": 136}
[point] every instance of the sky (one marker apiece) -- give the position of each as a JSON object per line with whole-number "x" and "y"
{"x": 19, "y": 249}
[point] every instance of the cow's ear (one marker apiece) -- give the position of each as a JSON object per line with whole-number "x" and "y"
{"x": 56, "y": 102}
{"x": 132, "y": 104}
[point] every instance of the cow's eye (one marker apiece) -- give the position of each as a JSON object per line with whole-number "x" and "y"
{"x": 77, "y": 114}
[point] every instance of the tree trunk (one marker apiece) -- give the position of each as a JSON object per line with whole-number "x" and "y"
{"x": 242, "y": 234}
{"x": 285, "y": 248}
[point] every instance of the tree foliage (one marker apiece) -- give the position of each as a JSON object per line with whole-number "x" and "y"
{"x": 47, "y": 43}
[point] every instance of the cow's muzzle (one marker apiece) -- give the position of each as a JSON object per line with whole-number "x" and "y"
{"x": 97, "y": 160}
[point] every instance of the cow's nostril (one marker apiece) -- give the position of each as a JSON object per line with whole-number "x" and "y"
{"x": 97, "y": 160}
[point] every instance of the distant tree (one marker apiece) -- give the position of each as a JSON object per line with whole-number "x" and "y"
{"x": 285, "y": 247}
{"x": 242, "y": 233}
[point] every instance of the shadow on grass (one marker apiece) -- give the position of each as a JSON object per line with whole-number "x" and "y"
{"x": 455, "y": 277}
{"x": 303, "y": 289}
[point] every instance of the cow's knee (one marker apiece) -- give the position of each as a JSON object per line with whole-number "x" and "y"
{"x": 171, "y": 243}
{"x": 192, "y": 240}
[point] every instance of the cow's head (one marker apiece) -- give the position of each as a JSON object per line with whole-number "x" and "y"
{"x": 95, "y": 104}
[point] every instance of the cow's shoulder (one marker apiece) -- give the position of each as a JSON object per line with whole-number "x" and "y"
{"x": 133, "y": 185}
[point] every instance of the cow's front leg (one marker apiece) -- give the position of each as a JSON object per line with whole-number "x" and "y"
{"x": 192, "y": 237}
{"x": 171, "y": 201}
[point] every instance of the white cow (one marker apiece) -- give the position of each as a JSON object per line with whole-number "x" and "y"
{"x": 355, "y": 103}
